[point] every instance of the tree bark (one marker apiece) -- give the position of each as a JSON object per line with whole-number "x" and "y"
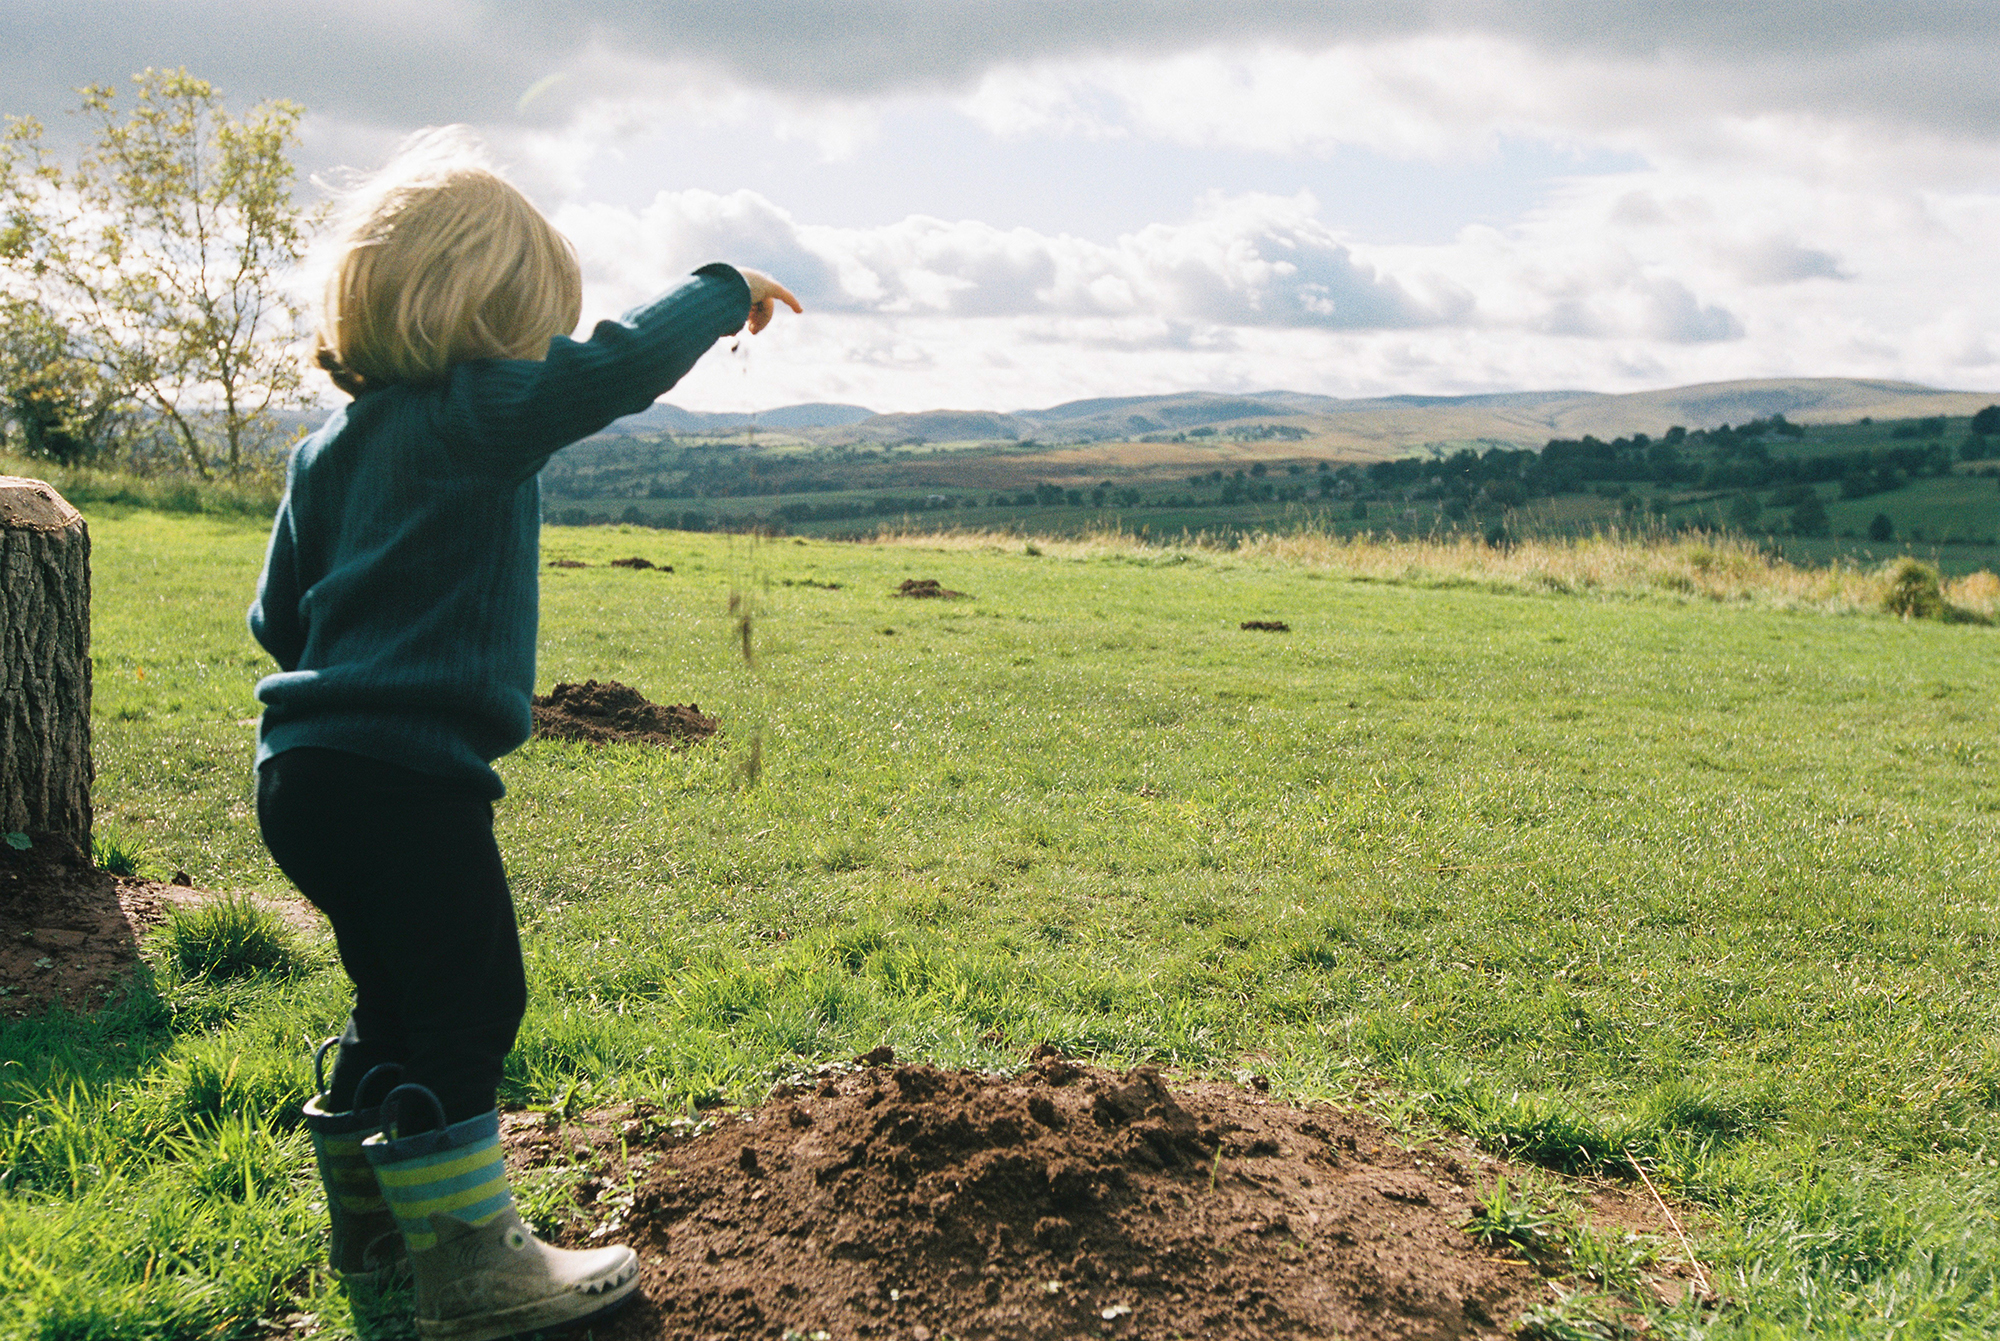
{"x": 45, "y": 767}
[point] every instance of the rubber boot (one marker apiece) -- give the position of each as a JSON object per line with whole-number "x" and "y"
{"x": 363, "y": 1241}
{"x": 480, "y": 1274}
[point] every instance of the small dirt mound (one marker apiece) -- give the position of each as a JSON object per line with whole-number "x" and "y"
{"x": 567, "y": 563}
{"x": 927, "y": 588}
{"x": 885, "y": 1201}
{"x": 609, "y": 712}
{"x": 635, "y": 562}
{"x": 1266, "y": 626}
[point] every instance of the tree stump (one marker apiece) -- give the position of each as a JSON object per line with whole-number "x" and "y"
{"x": 45, "y": 767}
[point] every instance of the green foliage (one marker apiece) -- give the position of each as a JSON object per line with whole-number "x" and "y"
{"x": 63, "y": 406}
{"x": 1913, "y": 590}
{"x": 1503, "y": 1217}
{"x": 1808, "y": 515}
{"x": 1578, "y": 1317}
{"x": 247, "y": 496}
{"x": 163, "y": 251}
{"x": 113, "y": 850}
{"x": 228, "y": 937}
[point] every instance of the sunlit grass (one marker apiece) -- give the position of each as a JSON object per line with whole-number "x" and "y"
{"x": 1714, "y": 566}
{"x": 1599, "y": 873}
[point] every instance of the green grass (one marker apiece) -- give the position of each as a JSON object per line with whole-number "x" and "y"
{"x": 228, "y": 937}
{"x": 255, "y": 494}
{"x": 1709, "y": 886}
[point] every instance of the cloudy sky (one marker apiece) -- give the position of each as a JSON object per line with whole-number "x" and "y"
{"x": 1009, "y": 203}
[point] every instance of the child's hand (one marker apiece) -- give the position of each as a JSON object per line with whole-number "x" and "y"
{"x": 765, "y": 294}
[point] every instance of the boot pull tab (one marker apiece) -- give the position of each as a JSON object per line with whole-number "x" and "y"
{"x": 393, "y": 1103}
{"x": 379, "y": 1080}
{"x": 319, "y": 1063}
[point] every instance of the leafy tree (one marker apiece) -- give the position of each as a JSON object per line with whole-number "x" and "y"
{"x": 1987, "y": 421}
{"x": 1881, "y": 529}
{"x": 1744, "y": 512}
{"x": 58, "y": 399}
{"x": 1808, "y": 515}
{"x": 164, "y": 251}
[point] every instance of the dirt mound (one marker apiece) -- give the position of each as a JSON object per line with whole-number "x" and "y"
{"x": 927, "y": 588}
{"x": 69, "y": 933}
{"x": 885, "y": 1201}
{"x": 603, "y": 713}
{"x": 1265, "y": 626}
{"x": 636, "y": 562}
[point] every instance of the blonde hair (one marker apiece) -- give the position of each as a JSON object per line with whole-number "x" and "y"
{"x": 438, "y": 260}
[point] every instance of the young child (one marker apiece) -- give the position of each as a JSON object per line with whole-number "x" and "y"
{"x": 399, "y": 600}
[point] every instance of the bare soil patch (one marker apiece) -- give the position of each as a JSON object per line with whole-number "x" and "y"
{"x": 927, "y": 588}
{"x": 635, "y": 562}
{"x": 69, "y": 932}
{"x": 607, "y": 712}
{"x": 1265, "y": 626}
{"x": 909, "y": 1203}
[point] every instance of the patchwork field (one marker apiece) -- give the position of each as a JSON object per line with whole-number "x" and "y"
{"x": 1597, "y": 870}
{"x": 1854, "y": 492}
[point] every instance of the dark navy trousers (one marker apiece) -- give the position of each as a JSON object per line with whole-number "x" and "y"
{"x": 405, "y": 867}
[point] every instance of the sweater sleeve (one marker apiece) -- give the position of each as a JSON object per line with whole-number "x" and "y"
{"x": 274, "y": 614}
{"x": 506, "y": 416}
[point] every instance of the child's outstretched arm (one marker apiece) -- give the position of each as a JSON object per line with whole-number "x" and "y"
{"x": 508, "y": 415}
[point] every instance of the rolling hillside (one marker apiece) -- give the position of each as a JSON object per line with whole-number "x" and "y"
{"x": 1298, "y": 424}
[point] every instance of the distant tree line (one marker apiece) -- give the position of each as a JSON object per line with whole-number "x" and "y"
{"x": 1761, "y": 456}
{"x": 1720, "y": 459}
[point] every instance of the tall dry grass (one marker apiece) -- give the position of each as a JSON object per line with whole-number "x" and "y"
{"x": 1710, "y": 567}
{"x": 253, "y": 494}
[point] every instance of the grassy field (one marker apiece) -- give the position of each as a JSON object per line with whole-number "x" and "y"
{"x": 1553, "y": 848}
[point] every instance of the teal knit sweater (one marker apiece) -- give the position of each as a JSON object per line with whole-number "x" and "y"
{"x": 399, "y": 593}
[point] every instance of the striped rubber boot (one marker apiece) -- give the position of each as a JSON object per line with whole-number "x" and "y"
{"x": 479, "y": 1273}
{"x": 362, "y": 1240}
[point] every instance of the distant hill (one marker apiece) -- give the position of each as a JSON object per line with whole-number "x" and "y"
{"x": 1826, "y": 400}
{"x": 934, "y": 426}
{"x": 1152, "y": 414}
{"x": 664, "y": 418}
{"x": 1296, "y": 423}
{"x": 1393, "y": 425}
{"x": 818, "y": 414}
